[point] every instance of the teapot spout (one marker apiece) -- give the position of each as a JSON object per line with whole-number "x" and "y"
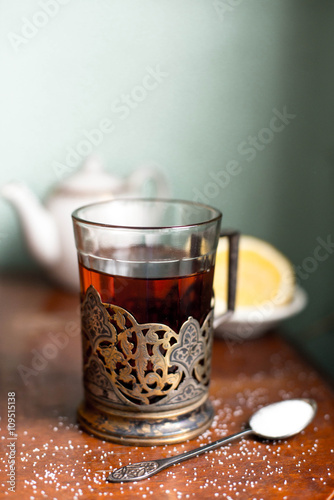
{"x": 38, "y": 226}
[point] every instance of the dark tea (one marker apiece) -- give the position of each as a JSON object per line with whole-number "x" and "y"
{"x": 168, "y": 300}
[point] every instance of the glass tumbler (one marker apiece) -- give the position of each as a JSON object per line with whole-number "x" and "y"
{"x": 146, "y": 272}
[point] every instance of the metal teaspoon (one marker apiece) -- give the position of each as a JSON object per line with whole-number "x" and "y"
{"x": 275, "y": 421}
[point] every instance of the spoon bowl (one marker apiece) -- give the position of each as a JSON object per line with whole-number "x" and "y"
{"x": 275, "y": 421}
{"x": 283, "y": 419}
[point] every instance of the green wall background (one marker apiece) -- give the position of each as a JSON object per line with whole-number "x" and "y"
{"x": 225, "y": 67}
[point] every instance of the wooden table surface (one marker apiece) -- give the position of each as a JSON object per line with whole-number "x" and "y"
{"x": 40, "y": 367}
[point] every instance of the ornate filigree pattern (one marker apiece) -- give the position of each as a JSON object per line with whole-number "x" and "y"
{"x": 134, "y": 364}
{"x": 95, "y": 319}
{"x": 191, "y": 345}
{"x": 202, "y": 370}
{"x": 134, "y": 471}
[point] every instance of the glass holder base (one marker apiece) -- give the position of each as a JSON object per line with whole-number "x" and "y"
{"x": 145, "y": 429}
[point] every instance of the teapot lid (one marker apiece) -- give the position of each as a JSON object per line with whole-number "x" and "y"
{"x": 91, "y": 178}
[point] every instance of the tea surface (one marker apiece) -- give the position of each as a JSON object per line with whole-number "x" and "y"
{"x": 169, "y": 301}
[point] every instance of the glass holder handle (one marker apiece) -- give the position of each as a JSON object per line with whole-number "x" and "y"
{"x": 233, "y": 252}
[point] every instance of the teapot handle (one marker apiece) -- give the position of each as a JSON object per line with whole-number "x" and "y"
{"x": 151, "y": 173}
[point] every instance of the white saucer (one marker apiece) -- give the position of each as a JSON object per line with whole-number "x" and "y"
{"x": 251, "y": 322}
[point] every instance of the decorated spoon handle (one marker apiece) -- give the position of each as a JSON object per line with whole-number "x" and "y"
{"x": 143, "y": 470}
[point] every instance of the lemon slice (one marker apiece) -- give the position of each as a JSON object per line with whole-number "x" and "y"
{"x": 264, "y": 274}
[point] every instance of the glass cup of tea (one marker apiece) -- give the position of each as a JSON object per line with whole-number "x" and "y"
{"x": 146, "y": 273}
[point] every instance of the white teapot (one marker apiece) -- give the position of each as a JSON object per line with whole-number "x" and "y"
{"x": 48, "y": 228}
